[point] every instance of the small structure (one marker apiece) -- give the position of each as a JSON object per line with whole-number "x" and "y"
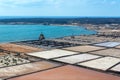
{"x": 72, "y": 37}
{"x": 41, "y": 37}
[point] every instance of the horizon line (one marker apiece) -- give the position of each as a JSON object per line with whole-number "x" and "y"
{"x": 60, "y": 16}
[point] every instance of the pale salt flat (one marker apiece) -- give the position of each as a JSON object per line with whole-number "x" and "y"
{"x": 108, "y": 52}
{"x": 116, "y": 68}
{"x": 85, "y": 48}
{"x": 102, "y": 63}
{"x": 108, "y": 44}
{"x": 26, "y": 68}
{"x": 52, "y": 53}
{"x": 77, "y": 58}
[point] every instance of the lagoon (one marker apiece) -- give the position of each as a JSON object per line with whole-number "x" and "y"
{"x": 11, "y": 33}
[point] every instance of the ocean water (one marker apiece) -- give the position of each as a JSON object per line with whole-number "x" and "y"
{"x": 11, "y": 33}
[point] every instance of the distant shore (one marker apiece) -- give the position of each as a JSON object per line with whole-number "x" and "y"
{"x": 109, "y": 32}
{"x": 106, "y": 28}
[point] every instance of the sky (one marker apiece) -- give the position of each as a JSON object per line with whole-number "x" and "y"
{"x": 81, "y": 8}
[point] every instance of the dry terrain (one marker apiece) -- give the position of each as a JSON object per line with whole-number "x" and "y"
{"x": 19, "y": 48}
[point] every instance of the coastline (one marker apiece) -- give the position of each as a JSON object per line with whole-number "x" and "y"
{"x": 86, "y": 26}
{"x": 23, "y": 48}
{"x": 107, "y": 29}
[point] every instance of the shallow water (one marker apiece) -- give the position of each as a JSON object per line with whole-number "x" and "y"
{"x": 10, "y": 33}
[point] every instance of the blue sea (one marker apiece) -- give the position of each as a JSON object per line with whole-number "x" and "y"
{"x": 11, "y": 33}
